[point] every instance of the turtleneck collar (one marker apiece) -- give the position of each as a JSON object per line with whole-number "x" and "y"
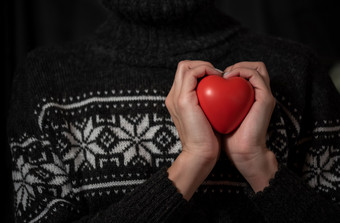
{"x": 204, "y": 34}
{"x": 156, "y": 11}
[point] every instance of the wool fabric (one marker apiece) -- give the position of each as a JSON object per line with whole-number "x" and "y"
{"x": 91, "y": 138}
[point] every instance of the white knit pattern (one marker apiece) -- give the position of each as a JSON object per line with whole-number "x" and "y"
{"x": 85, "y": 135}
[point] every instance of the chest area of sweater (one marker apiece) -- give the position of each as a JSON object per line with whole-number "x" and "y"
{"x": 113, "y": 140}
{"x": 110, "y": 129}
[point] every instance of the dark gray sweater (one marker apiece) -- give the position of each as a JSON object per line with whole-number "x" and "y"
{"x": 91, "y": 138}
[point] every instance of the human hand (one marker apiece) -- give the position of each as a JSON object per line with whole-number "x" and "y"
{"x": 246, "y": 147}
{"x": 195, "y": 132}
{"x": 200, "y": 144}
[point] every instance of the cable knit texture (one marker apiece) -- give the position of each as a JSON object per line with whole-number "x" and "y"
{"x": 91, "y": 138}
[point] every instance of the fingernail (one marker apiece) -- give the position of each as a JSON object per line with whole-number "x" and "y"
{"x": 219, "y": 70}
{"x": 225, "y": 74}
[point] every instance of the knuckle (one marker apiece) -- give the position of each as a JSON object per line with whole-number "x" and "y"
{"x": 262, "y": 66}
{"x": 208, "y": 64}
{"x": 271, "y": 100}
{"x": 181, "y": 103}
{"x": 234, "y": 66}
{"x": 261, "y": 63}
{"x": 169, "y": 103}
{"x": 240, "y": 64}
{"x": 183, "y": 63}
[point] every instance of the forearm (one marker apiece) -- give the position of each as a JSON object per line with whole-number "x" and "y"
{"x": 264, "y": 168}
{"x": 188, "y": 172}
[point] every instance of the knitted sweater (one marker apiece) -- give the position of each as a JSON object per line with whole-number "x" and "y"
{"x": 91, "y": 138}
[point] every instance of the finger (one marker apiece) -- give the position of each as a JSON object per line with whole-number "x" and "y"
{"x": 185, "y": 65}
{"x": 190, "y": 79}
{"x": 255, "y": 79}
{"x": 259, "y": 66}
{"x": 182, "y": 68}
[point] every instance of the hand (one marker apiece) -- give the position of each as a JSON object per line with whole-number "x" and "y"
{"x": 246, "y": 147}
{"x": 200, "y": 144}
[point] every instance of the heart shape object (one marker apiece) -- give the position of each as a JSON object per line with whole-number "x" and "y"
{"x": 225, "y": 102}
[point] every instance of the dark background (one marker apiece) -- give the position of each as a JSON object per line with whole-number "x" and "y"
{"x": 33, "y": 23}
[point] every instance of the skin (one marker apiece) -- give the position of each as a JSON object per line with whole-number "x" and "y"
{"x": 201, "y": 145}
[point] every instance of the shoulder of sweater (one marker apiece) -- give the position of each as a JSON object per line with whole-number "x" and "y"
{"x": 48, "y": 66}
{"x": 61, "y": 54}
{"x": 48, "y": 71}
{"x": 72, "y": 54}
{"x": 276, "y": 46}
{"x": 52, "y": 64}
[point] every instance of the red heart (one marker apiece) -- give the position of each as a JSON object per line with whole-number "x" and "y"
{"x": 225, "y": 102}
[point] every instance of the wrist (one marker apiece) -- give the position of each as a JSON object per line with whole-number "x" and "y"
{"x": 262, "y": 170}
{"x": 188, "y": 172}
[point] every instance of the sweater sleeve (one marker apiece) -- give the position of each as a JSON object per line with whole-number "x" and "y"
{"x": 289, "y": 199}
{"x": 309, "y": 191}
{"x": 37, "y": 200}
{"x": 40, "y": 198}
{"x": 43, "y": 187}
{"x": 157, "y": 200}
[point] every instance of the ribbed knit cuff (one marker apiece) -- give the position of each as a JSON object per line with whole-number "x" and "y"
{"x": 156, "y": 200}
{"x": 286, "y": 199}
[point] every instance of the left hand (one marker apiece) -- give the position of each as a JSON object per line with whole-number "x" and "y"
{"x": 246, "y": 146}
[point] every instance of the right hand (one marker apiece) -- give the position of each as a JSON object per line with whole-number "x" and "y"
{"x": 200, "y": 144}
{"x": 195, "y": 132}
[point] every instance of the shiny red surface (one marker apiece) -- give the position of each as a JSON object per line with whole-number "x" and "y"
{"x": 225, "y": 102}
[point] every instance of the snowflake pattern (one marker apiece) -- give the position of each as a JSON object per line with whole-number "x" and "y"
{"x": 87, "y": 140}
{"x": 58, "y": 175}
{"x": 322, "y": 169}
{"x": 23, "y": 180}
{"x": 83, "y": 148}
{"x": 138, "y": 140}
{"x": 135, "y": 137}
